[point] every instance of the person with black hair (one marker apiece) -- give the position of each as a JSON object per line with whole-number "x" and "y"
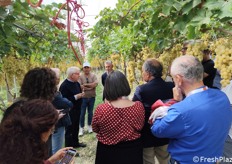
{"x": 38, "y": 83}
{"x": 118, "y": 123}
{"x": 25, "y": 131}
{"x": 209, "y": 70}
{"x": 155, "y": 88}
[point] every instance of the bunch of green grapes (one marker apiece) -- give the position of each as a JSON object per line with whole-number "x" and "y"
{"x": 33, "y": 61}
{"x": 223, "y": 49}
{"x": 143, "y": 55}
{"x": 168, "y": 56}
{"x": 196, "y": 48}
{"x": 131, "y": 72}
{"x": 115, "y": 58}
{"x": 122, "y": 63}
{"x": 147, "y": 53}
{"x": 139, "y": 71}
{"x": 14, "y": 67}
{"x": 139, "y": 65}
{"x": 165, "y": 59}
{"x": 95, "y": 62}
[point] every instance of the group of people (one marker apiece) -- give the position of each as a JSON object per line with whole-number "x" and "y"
{"x": 190, "y": 125}
{"x": 194, "y": 127}
{"x": 80, "y": 90}
{"x": 35, "y": 126}
{"x": 27, "y": 125}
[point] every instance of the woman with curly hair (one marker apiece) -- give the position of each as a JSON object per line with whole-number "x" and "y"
{"x": 39, "y": 83}
{"x": 23, "y": 134}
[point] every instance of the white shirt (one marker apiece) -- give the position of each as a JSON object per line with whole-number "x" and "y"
{"x": 228, "y": 91}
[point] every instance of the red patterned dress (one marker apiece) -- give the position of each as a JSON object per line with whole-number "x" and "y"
{"x": 118, "y": 133}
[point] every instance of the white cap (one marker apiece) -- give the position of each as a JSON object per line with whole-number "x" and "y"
{"x": 86, "y": 64}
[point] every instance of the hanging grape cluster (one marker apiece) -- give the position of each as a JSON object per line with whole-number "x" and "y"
{"x": 168, "y": 56}
{"x": 223, "y": 49}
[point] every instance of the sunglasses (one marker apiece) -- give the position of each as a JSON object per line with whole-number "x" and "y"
{"x": 184, "y": 48}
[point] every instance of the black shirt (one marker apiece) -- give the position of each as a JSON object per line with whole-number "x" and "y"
{"x": 211, "y": 71}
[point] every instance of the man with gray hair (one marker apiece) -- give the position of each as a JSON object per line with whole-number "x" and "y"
{"x": 109, "y": 69}
{"x": 71, "y": 89}
{"x": 154, "y": 89}
{"x": 197, "y": 125}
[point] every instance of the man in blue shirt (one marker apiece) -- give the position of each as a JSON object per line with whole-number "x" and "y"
{"x": 198, "y": 125}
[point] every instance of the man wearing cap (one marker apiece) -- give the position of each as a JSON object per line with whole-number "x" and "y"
{"x": 88, "y": 83}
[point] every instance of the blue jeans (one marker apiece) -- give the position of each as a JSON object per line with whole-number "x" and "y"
{"x": 58, "y": 139}
{"x": 87, "y": 103}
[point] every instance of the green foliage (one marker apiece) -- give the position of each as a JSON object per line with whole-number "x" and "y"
{"x": 28, "y": 40}
{"x": 26, "y": 35}
{"x": 28, "y": 31}
{"x": 158, "y": 24}
{"x": 99, "y": 93}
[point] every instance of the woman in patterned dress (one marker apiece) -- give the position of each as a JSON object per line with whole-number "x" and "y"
{"x": 118, "y": 123}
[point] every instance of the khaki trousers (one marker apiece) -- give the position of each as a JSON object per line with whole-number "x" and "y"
{"x": 160, "y": 153}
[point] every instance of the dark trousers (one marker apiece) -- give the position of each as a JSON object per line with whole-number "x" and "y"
{"x": 72, "y": 131}
{"x": 129, "y": 152}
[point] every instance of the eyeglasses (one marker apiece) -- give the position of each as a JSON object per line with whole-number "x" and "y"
{"x": 87, "y": 80}
{"x": 184, "y": 48}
